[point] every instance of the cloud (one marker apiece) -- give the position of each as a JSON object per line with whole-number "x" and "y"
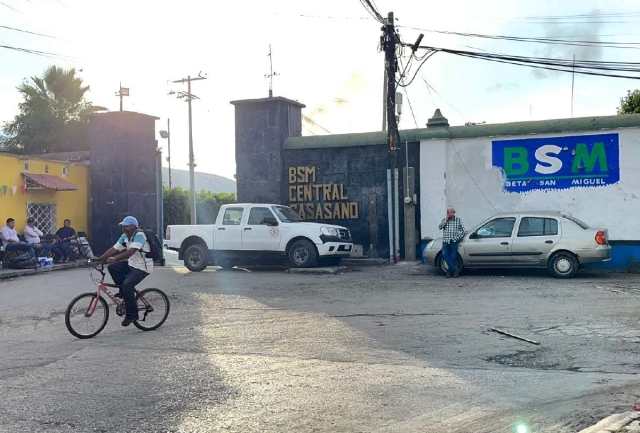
{"x": 339, "y": 109}
{"x": 502, "y": 87}
{"x": 589, "y": 30}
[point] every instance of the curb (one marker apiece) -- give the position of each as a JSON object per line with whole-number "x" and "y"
{"x": 334, "y": 270}
{"x": 365, "y": 262}
{"x": 615, "y": 423}
{"x": 13, "y": 273}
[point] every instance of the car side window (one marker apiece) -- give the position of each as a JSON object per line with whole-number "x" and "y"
{"x": 257, "y": 216}
{"x": 497, "y": 228}
{"x": 537, "y": 227}
{"x": 232, "y": 216}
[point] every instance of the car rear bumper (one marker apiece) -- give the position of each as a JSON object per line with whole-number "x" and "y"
{"x": 331, "y": 249}
{"x": 601, "y": 253}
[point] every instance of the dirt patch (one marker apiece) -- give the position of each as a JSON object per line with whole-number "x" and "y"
{"x": 541, "y": 359}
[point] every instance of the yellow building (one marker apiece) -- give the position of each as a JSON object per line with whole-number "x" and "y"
{"x": 49, "y": 188}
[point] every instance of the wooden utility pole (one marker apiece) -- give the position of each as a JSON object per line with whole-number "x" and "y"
{"x": 189, "y": 97}
{"x": 393, "y": 136}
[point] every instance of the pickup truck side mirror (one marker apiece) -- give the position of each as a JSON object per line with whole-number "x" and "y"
{"x": 270, "y": 221}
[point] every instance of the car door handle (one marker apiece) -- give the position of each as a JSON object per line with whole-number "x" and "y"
{"x": 504, "y": 243}
{"x": 221, "y": 228}
{"x": 247, "y": 228}
{"x": 548, "y": 242}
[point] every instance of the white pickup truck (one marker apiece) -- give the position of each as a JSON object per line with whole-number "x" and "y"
{"x": 252, "y": 232}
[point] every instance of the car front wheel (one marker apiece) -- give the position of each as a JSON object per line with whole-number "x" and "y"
{"x": 563, "y": 265}
{"x": 303, "y": 254}
{"x": 443, "y": 268}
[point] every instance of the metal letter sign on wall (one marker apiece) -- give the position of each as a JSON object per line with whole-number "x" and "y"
{"x": 581, "y": 161}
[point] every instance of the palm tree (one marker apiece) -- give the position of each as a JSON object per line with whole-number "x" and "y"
{"x": 52, "y": 114}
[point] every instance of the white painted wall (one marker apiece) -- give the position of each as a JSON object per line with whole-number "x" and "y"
{"x": 433, "y": 173}
{"x": 475, "y": 188}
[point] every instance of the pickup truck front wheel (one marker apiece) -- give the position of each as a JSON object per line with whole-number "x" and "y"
{"x": 196, "y": 258}
{"x": 303, "y": 254}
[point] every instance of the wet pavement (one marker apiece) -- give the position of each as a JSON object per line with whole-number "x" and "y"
{"x": 391, "y": 349}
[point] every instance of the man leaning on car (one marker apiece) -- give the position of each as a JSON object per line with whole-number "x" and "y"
{"x": 453, "y": 232}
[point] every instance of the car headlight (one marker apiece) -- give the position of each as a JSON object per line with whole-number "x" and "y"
{"x": 329, "y": 231}
{"x": 430, "y": 244}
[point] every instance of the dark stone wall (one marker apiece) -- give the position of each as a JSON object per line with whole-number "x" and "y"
{"x": 123, "y": 174}
{"x": 262, "y": 168}
{"x": 363, "y": 171}
{"x": 261, "y": 128}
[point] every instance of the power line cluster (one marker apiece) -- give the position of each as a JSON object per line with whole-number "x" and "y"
{"x": 40, "y": 53}
{"x": 584, "y": 67}
{"x": 30, "y": 32}
{"x": 592, "y": 18}
{"x": 550, "y": 41}
{"x": 370, "y": 7}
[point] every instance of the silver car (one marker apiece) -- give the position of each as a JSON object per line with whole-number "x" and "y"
{"x": 552, "y": 240}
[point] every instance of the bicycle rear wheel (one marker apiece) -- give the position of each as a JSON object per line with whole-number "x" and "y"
{"x": 153, "y": 308}
{"x": 79, "y": 323}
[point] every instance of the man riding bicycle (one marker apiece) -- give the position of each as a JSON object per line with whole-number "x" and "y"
{"x": 132, "y": 245}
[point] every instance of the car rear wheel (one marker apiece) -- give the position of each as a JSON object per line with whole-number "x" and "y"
{"x": 443, "y": 268}
{"x": 196, "y": 258}
{"x": 563, "y": 265}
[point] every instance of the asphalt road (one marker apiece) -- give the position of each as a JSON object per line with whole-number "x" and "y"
{"x": 393, "y": 349}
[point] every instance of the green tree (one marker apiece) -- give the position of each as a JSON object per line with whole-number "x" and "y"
{"x": 52, "y": 115}
{"x": 630, "y": 103}
{"x": 208, "y": 205}
{"x": 177, "y": 209}
{"x": 176, "y": 206}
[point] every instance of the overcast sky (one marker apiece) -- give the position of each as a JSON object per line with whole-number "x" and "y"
{"x": 327, "y": 55}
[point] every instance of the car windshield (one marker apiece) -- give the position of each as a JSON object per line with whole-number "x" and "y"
{"x": 286, "y": 214}
{"x": 577, "y": 221}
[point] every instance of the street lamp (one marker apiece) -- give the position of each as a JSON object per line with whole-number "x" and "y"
{"x": 167, "y": 134}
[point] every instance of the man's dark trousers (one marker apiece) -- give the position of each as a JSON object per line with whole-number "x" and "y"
{"x": 127, "y": 277}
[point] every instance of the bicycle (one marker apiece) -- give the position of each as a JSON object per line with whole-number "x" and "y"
{"x": 89, "y": 306}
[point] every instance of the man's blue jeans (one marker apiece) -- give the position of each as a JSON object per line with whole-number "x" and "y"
{"x": 20, "y": 246}
{"x": 449, "y": 254}
{"x": 44, "y": 250}
{"x": 62, "y": 248}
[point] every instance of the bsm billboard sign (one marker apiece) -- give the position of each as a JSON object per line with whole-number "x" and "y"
{"x": 582, "y": 161}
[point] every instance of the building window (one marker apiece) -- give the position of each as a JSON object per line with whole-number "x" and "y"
{"x": 46, "y": 169}
{"x": 26, "y": 166}
{"x": 46, "y": 216}
{"x": 65, "y": 171}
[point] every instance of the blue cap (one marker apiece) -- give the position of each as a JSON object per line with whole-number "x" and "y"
{"x": 129, "y": 221}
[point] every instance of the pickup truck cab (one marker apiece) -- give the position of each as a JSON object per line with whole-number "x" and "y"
{"x": 258, "y": 232}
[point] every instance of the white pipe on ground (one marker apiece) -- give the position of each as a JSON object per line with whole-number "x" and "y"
{"x": 390, "y": 214}
{"x": 396, "y": 180}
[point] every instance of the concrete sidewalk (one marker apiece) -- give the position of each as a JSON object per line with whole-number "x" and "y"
{"x": 627, "y": 422}
{"x": 13, "y": 273}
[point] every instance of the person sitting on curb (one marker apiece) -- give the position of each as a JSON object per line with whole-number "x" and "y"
{"x": 64, "y": 235}
{"x": 32, "y": 236}
{"x": 10, "y": 240}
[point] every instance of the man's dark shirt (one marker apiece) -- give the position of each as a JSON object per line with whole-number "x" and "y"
{"x": 65, "y": 232}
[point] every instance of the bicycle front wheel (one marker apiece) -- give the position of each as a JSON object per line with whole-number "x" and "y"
{"x": 80, "y": 321}
{"x": 153, "y": 309}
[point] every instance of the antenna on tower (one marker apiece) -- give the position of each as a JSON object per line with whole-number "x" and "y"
{"x": 272, "y": 74}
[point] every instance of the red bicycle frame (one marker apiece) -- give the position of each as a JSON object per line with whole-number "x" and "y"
{"x": 103, "y": 287}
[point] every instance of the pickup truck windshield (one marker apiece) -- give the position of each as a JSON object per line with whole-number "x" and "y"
{"x": 286, "y": 214}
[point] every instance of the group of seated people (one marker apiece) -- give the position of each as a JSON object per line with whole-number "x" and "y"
{"x": 33, "y": 244}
